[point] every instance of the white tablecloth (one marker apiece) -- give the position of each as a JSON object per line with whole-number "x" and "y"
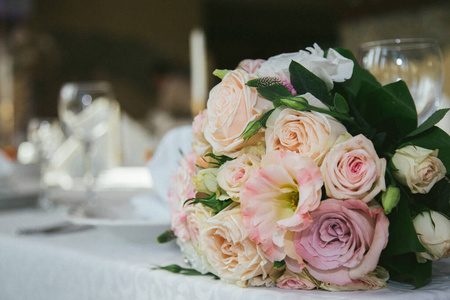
{"x": 99, "y": 264}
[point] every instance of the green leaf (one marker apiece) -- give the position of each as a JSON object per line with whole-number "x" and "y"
{"x": 219, "y": 159}
{"x": 167, "y": 236}
{"x": 389, "y": 109}
{"x": 430, "y": 122}
{"x": 274, "y": 93}
{"x": 402, "y": 234}
{"x": 433, "y": 138}
{"x": 279, "y": 264}
{"x": 438, "y": 198}
{"x": 185, "y": 271}
{"x": 341, "y": 104}
{"x": 220, "y": 73}
{"x": 253, "y": 127}
{"x": 405, "y": 268}
{"x": 210, "y": 201}
{"x": 305, "y": 81}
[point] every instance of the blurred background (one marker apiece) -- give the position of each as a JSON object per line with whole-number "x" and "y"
{"x": 142, "y": 47}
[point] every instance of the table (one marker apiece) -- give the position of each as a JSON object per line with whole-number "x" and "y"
{"x": 99, "y": 264}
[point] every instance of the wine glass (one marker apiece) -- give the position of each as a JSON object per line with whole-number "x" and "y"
{"x": 416, "y": 61}
{"x": 45, "y": 136}
{"x": 85, "y": 110}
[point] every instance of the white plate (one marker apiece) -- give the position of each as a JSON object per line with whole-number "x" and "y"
{"x": 136, "y": 219}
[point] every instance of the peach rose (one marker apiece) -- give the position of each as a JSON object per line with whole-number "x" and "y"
{"x": 231, "y": 106}
{"x": 233, "y": 175}
{"x": 232, "y": 255}
{"x": 353, "y": 170}
{"x": 310, "y": 134}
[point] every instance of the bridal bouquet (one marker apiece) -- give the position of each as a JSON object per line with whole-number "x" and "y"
{"x": 306, "y": 173}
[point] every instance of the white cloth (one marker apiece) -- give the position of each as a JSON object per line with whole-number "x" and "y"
{"x": 96, "y": 264}
{"x": 165, "y": 160}
{"x": 6, "y": 167}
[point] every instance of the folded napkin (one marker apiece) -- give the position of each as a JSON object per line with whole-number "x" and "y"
{"x": 173, "y": 146}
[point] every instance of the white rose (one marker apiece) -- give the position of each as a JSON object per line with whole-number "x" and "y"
{"x": 333, "y": 68}
{"x": 433, "y": 230}
{"x": 233, "y": 174}
{"x": 418, "y": 168}
{"x": 230, "y": 252}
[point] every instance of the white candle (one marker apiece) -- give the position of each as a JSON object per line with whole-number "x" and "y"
{"x": 198, "y": 60}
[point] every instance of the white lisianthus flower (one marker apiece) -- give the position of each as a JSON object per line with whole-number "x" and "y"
{"x": 206, "y": 181}
{"x": 418, "y": 168}
{"x": 433, "y": 230}
{"x": 333, "y": 68}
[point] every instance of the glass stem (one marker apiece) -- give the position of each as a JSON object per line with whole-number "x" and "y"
{"x": 44, "y": 201}
{"x": 89, "y": 177}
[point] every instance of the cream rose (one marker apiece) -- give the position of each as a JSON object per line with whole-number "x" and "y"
{"x": 418, "y": 168}
{"x": 230, "y": 252}
{"x": 233, "y": 174}
{"x": 433, "y": 230}
{"x": 231, "y": 106}
{"x": 353, "y": 170}
{"x": 310, "y": 134}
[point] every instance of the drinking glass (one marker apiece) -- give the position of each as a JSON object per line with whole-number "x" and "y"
{"x": 85, "y": 110}
{"x": 416, "y": 61}
{"x": 46, "y": 136}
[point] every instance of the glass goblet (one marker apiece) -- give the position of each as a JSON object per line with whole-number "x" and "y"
{"x": 85, "y": 110}
{"x": 416, "y": 61}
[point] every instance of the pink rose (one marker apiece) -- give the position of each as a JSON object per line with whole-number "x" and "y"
{"x": 310, "y": 134}
{"x": 233, "y": 175}
{"x": 344, "y": 241}
{"x": 353, "y": 170}
{"x": 295, "y": 281}
{"x": 180, "y": 190}
{"x": 251, "y": 65}
{"x": 231, "y": 106}
{"x": 277, "y": 200}
{"x": 200, "y": 145}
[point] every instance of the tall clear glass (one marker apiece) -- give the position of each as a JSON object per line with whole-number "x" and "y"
{"x": 416, "y": 61}
{"x": 85, "y": 110}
